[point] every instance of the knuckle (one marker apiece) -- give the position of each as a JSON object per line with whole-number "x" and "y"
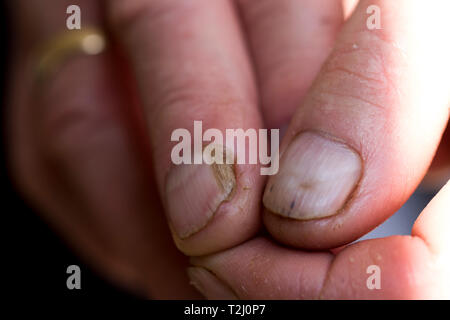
{"x": 191, "y": 101}
{"x": 362, "y": 73}
{"x": 73, "y": 129}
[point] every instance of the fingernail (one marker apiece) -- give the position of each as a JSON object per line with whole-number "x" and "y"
{"x": 194, "y": 193}
{"x": 316, "y": 176}
{"x": 209, "y": 285}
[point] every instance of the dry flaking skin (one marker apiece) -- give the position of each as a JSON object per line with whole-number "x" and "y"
{"x": 225, "y": 178}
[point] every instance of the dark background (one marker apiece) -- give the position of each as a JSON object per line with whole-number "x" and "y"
{"x": 36, "y": 258}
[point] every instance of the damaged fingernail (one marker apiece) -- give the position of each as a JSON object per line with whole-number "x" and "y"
{"x": 317, "y": 175}
{"x": 209, "y": 285}
{"x": 194, "y": 192}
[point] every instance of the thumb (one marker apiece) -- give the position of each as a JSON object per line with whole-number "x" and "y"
{"x": 368, "y": 130}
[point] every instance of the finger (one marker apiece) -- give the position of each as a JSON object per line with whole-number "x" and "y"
{"x": 439, "y": 172}
{"x": 349, "y": 6}
{"x": 289, "y": 40}
{"x": 397, "y": 267}
{"x": 259, "y": 269}
{"x": 191, "y": 64}
{"x": 367, "y": 131}
{"x": 77, "y": 153}
{"x": 409, "y": 267}
{"x": 433, "y": 223}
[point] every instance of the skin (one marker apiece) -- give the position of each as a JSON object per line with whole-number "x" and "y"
{"x": 90, "y": 148}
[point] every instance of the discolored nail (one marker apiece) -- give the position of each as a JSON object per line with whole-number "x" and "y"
{"x": 194, "y": 192}
{"x": 317, "y": 174}
{"x": 209, "y": 285}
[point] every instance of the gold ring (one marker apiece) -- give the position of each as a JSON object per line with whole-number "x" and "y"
{"x": 52, "y": 55}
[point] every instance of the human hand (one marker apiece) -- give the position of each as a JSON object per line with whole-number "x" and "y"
{"x": 98, "y": 165}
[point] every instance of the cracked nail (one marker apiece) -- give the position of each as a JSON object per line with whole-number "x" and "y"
{"x": 194, "y": 193}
